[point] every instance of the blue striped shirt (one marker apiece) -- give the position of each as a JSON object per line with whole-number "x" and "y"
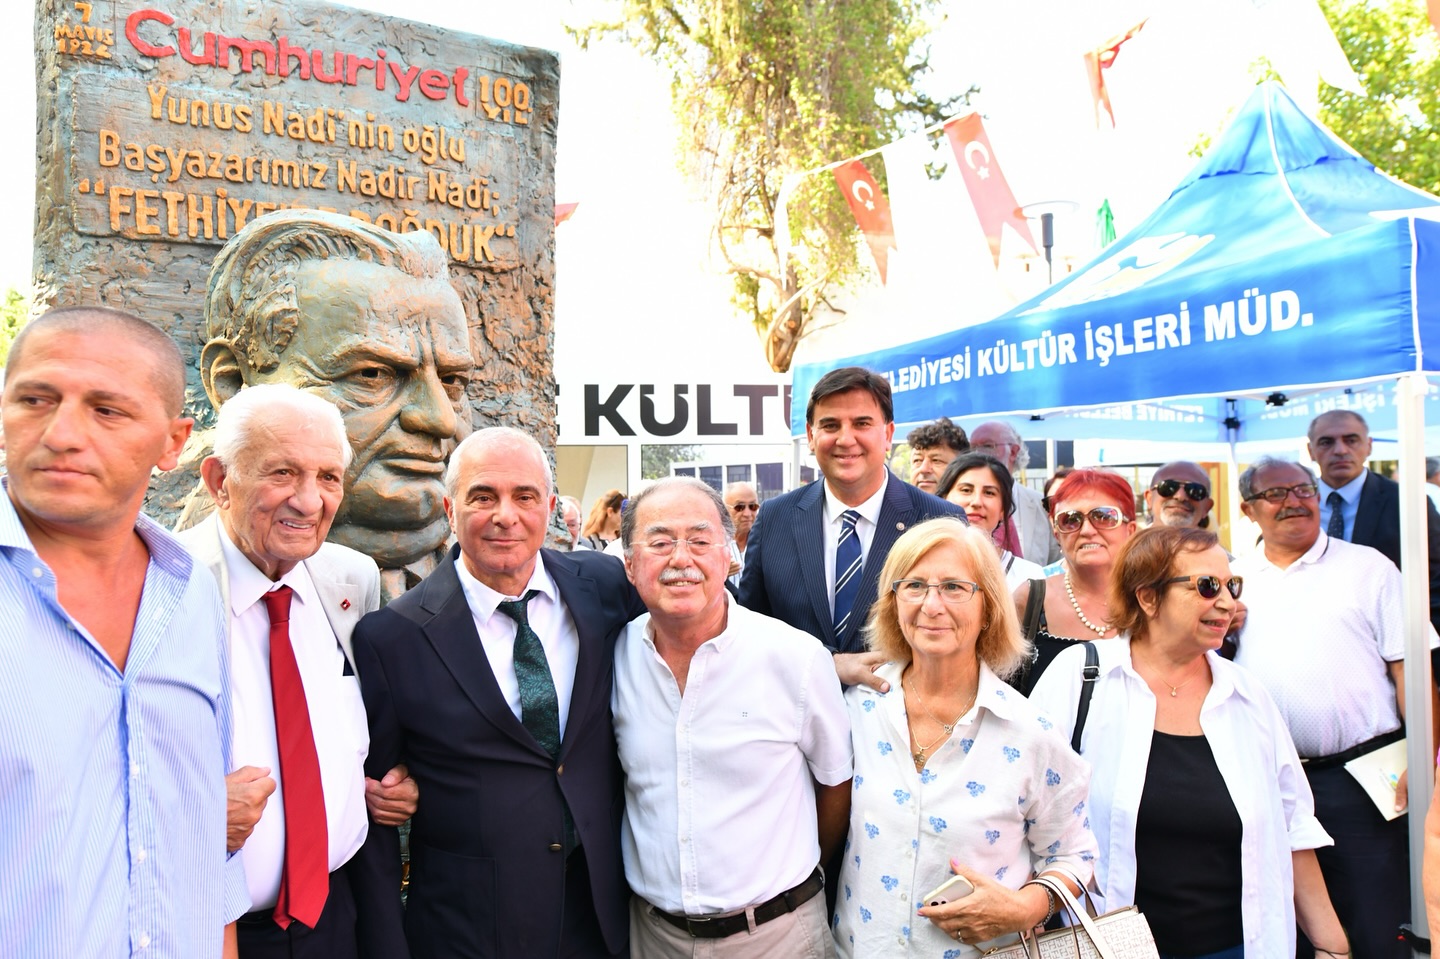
{"x": 112, "y": 792}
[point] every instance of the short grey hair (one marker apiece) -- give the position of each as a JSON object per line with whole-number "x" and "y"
{"x": 497, "y": 435}
{"x": 632, "y": 508}
{"x": 1022, "y": 452}
{"x": 735, "y": 486}
{"x": 571, "y": 501}
{"x": 266, "y": 404}
{"x": 1432, "y": 465}
{"x": 1247, "y": 478}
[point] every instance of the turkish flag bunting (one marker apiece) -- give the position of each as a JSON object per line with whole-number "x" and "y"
{"x": 994, "y": 201}
{"x": 1099, "y": 60}
{"x": 563, "y": 212}
{"x": 871, "y": 208}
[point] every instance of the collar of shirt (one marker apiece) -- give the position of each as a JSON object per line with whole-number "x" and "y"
{"x": 1258, "y": 562}
{"x": 991, "y": 692}
{"x": 1350, "y": 492}
{"x": 1115, "y": 657}
{"x": 868, "y": 510}
{"x": 166, "y": 554}
{"x": 735, "y": 615}
{"x": 248, "y": 584}
{"x": 484, "y": 601}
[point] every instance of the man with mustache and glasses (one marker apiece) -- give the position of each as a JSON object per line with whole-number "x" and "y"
{"x": 735, "y": 743}
{"x": 1179, "y": 495}
{"x": 1326, "y": 636}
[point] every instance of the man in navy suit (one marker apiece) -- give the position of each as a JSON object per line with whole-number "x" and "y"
{"x": 491, "y": 678}
{"x": 797, "y": 553}
{"x": 1369, "y": 503}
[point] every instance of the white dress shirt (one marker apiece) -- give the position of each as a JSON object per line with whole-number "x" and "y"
{"x": 547, "y": 616}
{"x": 719, "y": 803}
{"x": 1003, "y": 795}
{"x": 337, "y": 718}
{"x": 869, "y": 517}
{"x": 1256, "y": 759}
{"x": 1318, "y": 634}
{"x": 1019, "y": 570}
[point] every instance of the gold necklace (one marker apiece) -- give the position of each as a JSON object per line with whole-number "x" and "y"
{"x": 1100, "y": 631}
{"x": 920, "y": 754}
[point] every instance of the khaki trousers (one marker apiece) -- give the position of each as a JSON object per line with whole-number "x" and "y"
{"x": 802, "y": 934}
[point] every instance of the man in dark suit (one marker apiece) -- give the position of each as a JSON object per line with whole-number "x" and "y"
{"x": 1369, "y": 503}
{"x": 491, "y": 680}
{"x": 814, "y": 554}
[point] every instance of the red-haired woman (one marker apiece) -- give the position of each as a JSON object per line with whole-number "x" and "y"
{"x": 1093, "y": 514}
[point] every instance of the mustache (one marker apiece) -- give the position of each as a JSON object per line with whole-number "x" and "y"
{"x": 672, "y": 574}
{"x": 1290, "y": 511}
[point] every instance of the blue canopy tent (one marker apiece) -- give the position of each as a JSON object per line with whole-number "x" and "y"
{"x": 1284, "y": 263}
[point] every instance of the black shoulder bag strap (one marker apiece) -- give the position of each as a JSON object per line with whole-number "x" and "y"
{"x": 1034, "y": 607}
{"x": 1087, "y": 689}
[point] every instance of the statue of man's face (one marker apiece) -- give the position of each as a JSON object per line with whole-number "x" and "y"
{"x": 392, "y": 351}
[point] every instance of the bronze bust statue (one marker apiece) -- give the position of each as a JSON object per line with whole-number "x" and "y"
{"x": 368, "y": 320}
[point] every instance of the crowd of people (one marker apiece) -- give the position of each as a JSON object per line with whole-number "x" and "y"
{"x": 860, "y": 718}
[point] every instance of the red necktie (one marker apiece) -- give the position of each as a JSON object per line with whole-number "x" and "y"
{"x": 305, "y": 878}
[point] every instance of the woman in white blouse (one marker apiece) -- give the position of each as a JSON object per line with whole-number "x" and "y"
{"x": 955, "y": 772}
{"x": 1203, "y": 814}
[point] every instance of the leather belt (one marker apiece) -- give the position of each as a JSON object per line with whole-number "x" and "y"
{"x": 721, "y": 927}
{"x": 1355, "y": 752}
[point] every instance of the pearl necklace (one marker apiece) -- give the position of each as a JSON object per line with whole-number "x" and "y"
{"x": 920, "y": 754}
{"x": 1100, "y": 631}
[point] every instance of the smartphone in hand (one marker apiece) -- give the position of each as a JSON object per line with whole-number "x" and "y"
{"x": 956, "y": 887}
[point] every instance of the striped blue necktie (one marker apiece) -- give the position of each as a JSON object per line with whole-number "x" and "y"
{"x": 847, "y": 570}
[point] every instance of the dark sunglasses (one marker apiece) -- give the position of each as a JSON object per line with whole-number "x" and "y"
{"x": 1168, "y": 488}
{"x": 1209, "y": 586}
{"x": 1101, "y": 517}
{"x": 742, "y": 507}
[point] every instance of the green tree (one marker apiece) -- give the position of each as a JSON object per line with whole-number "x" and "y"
{"x": 766, "y": 88}
{"x": 14, "y": 311}
{"x": 655, "y": 460}
{"x": 1396, "y": 126}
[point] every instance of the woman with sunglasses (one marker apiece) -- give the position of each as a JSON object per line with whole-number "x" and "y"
{"x": 941, "y": 760}
{"x": 980, "y": 484}
{"x": 1093, "y": 514}
{"x": 1198, "y": 800}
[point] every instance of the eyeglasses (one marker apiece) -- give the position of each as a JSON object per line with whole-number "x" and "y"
{"x": 1278, "y": 494}
{"x": 665, "y": 546}
{"x": 742, "y": 507}
{"x": 1168, "y": 488}
{"x": 953, "y": 592}
{"x": 1101, "y": 517}
{"x": 1209, "y": 586}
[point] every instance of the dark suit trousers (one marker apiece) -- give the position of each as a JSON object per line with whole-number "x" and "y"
{"x": 332, "y": 938}
{"x": 1367, "y": 871}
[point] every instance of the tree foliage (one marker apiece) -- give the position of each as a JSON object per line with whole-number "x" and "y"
{"x": 657, "y": 458}
{"x": 1394, "y": 50}
{"x": 766, "y": 88}
{"x": 14, "y": 311}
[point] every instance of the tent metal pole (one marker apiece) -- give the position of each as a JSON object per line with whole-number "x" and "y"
{"x": 1420, "y": 749}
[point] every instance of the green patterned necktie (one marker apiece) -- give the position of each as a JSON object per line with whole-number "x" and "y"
{"x": 539, "y": 709}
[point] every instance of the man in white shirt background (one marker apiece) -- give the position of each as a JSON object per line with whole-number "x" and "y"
{"x": 291, "y": 601}
{"x": 1325, "y": 634}
{"x": 735, "y": 743}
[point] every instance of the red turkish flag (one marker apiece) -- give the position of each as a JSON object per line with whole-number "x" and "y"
{"x": 1099, "y": 60}
{"x": 993, "y": 199}
{"x": 871, "y": 208}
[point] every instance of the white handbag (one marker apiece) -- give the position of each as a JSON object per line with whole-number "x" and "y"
{"x": 1118, "y": 934}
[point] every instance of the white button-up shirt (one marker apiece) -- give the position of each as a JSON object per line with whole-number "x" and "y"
{"x": 1003, "y": 795}
{"x": 1256, "y": 759}
{"x": 546, "y": 615}
{"x": 1319, "y": 634}
{"x": 719, "y": 800}
{"x": 865, "y": 529}
{"x": 337, "y": 718}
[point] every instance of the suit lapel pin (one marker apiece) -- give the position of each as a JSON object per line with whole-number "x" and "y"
{"x": 344, "y": 604}
{"x": 900, "y": 527}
